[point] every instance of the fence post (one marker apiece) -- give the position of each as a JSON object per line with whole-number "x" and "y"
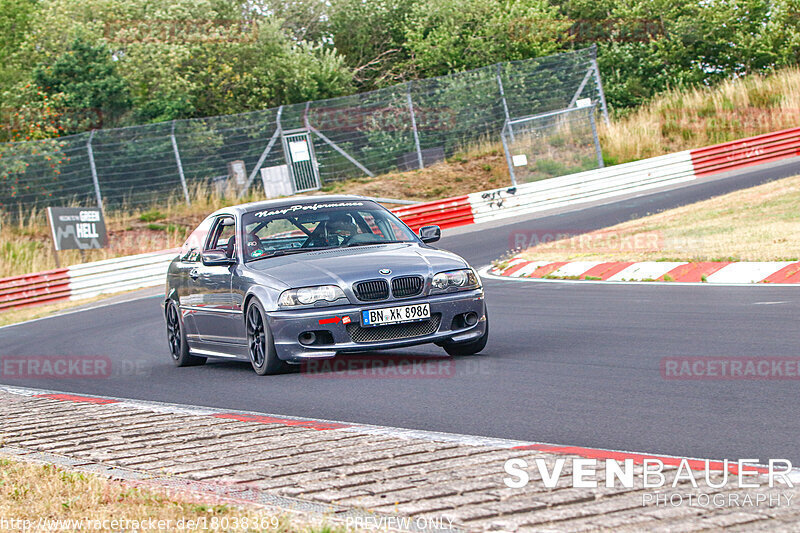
{"x": 414, "y": 125}
{"x": 509, "y": 161}
{"x": 265, "y": 153}
{"x": 180, "y": 165}
{"x": 589, "y": 74}
{"x": 94, "y": 171}
{"x": 505, "y": 103}
{"x": 600, "y": 90}
{"x": 597, "y": 148}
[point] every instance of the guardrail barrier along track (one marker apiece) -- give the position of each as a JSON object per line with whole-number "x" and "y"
{"x": 147, "y": 270}
{"x": 86, "y": 281}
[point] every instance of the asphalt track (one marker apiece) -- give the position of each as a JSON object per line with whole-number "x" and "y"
{"x": 567, "y": 363}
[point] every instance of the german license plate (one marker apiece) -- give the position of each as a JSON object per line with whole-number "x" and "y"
{"x": 395, "y": 315}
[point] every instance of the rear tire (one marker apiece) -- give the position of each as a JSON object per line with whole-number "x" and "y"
{"x": 176, "y": 336}
{"x": 260, "y": 344}
{"x": 471, "y": 347}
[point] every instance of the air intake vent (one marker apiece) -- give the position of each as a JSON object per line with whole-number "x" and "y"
{"x": 371, "y": 291}
{"x": 394, "y": 331}
{"x": 407, "y": 286}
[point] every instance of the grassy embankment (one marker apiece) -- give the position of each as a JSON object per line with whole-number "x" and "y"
{"x": 677, "y": 120}
{"x": 31, "y": 492}
{"x": 757, "y": 224}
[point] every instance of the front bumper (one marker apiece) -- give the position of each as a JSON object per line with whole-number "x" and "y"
{"x": 287, "y": 325}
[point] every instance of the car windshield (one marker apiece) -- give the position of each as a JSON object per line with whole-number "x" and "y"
{"x": 306, "y": 227}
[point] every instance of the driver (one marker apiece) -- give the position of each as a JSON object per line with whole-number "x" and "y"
{"x": 340, "y": 228}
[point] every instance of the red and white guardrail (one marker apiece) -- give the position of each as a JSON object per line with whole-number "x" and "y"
{"x": 603, "y": 183}
{"x": 87, "y": 280}
{"x": 114, "y": 275}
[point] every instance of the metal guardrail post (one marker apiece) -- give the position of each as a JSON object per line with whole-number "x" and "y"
{"x": 597, "y": 148}
{"x": 505, "y": 103}
{"x": 589, "y": 73}
{"x": 414, "y": 125}
{"x": 509, "y": 161}
{"x": 94, "y": 171}
{"x": 600, "y": 90}
{"x": 344, "y": 154}
{"x": 265, "y": 153}
{"x": 180, "y": 165}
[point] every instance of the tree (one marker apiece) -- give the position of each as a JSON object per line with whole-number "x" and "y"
{"x": 85, "y": 75}
{"x": 15, "y": 20}
{"x": 190, "y": 58}
{"x": 445, "y": 37}
{"x": 371, "y": 35}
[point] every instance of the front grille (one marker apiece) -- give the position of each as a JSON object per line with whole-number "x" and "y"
{"x": 394, "y": 331}
{"x": 407, "y": 286}
{"x": 371, "y": 291}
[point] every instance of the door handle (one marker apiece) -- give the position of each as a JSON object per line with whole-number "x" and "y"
{"x": 194, "y": 273}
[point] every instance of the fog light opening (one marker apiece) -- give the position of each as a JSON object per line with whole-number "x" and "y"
{"x": 307, "y": 337}
{"x": 470, "y": 319}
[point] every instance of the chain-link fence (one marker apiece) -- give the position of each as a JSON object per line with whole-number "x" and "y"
{"x": 552, "y": 144}
{"x": 402, "y": 127}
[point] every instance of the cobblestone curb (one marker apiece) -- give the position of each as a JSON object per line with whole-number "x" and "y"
{"x": 358, "y": 473}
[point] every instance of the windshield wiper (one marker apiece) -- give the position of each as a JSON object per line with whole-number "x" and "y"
{"x": 288, "y": 251}
{"x": 372, "y": 243}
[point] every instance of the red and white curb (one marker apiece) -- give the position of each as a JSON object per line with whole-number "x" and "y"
{"x": 638, "y": 458}
{"x": 783, "y": 273}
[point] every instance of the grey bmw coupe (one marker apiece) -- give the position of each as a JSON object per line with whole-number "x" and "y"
{"x": 286, "y": 281}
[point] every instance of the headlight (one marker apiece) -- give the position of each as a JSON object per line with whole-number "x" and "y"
{"x": 310, "y": 295}
{"x": 458, "y": 279}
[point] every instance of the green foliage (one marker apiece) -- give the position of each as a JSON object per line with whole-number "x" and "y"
{"x": 445, "y": 37}
{"x": 86, "y": 78}
{"x": 152, "y": 215}
{"x": 647, "y": 46}
{"x": 15, "y": 19}
{"x": 157, "y": 60}
{"x": 372, "y": 38}
{"x": 170, "y": 59}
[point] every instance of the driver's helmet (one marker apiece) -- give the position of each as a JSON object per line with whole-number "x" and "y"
{"x": 340, "y": 227}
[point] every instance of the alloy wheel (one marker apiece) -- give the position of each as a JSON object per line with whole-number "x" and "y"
{"x": 256, "y": 338}
{"x": 174, "y": 332}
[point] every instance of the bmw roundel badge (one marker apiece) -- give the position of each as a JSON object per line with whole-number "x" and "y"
{"x": 385, "y": 271}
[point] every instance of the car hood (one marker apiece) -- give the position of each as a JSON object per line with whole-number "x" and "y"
{"x": 344, "y": 266}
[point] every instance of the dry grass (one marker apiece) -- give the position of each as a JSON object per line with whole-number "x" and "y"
{"x": 684, "y": 119}
{"x": 477, "y": 168}
{"x": 36, "y": 492}
{"x": 757, "y": 224}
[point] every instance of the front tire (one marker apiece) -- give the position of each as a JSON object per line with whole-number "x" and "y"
{"x": 176, "y": 336}
{"x": 471, "y": 347}
{"x": 260, "y": 344}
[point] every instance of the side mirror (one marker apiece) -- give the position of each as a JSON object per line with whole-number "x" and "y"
{"x": 217, "y": 258}
{"x": 430, "y": 233}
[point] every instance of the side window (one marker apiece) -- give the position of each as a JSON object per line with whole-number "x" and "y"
{"x": 190, "y": 251}
{"x": 223, "y": 236}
